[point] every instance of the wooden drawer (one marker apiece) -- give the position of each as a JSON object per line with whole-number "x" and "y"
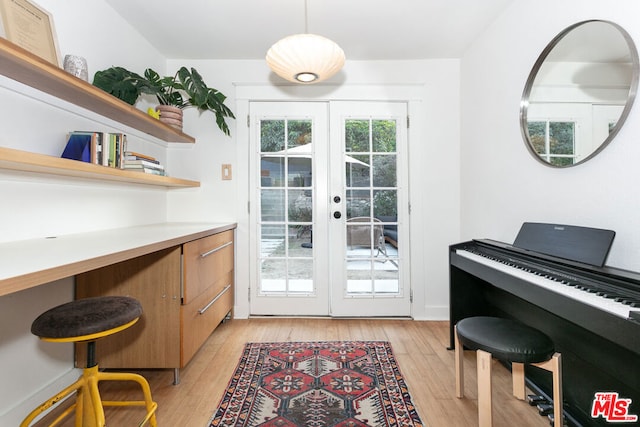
{"x": 201, "y": 316}
{"x": 206, "y": 261}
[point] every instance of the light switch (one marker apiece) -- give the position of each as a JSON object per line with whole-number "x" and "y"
{"x": 226, "y": 171}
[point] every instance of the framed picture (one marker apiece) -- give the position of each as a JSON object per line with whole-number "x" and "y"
{"x": 30, "y": 27}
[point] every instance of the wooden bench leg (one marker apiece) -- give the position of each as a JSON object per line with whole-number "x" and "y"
{"x": 459, "y": 360}
{"x": 554, "y": 365}
{"x": 517, "y": 375}
{"x": 484, "y": 389}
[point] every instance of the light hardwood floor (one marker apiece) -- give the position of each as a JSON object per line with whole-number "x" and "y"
{"x": 419, "y": 347}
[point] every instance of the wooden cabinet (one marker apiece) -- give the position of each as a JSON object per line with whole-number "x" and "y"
{"x": 205, "y": 311}
{"x": 206, "y": 262}
{"x": 207, "y": 292}
{"x": 154, "y": 341}
{"x": 173, "y": 326}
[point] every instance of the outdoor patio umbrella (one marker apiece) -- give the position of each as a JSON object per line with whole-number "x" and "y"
{"x": 307, "y": 149}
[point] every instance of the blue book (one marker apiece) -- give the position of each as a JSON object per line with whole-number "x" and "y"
{"x": 78, "y": 148}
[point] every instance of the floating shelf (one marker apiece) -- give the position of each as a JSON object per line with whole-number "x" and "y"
{"x": 23, "y": 66}
{"x": 40, "y": 163}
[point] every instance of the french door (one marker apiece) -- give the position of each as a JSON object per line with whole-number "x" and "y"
{"x": 328, "y": 209}
{"x": 368, "y": 187}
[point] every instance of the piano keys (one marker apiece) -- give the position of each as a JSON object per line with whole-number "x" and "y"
{"x": 592, "y": 313}
{"x": 581, "y": 290}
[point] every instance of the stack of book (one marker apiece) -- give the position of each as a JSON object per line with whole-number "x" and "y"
{"x": 142, "y": 163}
{"x": 100, "y": 148}
{"x": 109, "y": 149}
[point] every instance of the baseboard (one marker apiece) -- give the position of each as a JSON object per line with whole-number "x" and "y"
{"x": 15, "y": 415}
{"x": 433, "y": 312}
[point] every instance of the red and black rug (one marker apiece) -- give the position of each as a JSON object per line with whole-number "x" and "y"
{"x": 317, "y": 384}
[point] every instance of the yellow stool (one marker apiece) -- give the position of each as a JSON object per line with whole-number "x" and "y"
{"x": 86, "y": 320}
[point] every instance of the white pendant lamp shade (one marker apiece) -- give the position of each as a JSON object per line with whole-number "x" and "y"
{"x": 305, "y": 58}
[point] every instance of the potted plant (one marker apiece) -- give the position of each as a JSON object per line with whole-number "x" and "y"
{"x": 185, "y": 89}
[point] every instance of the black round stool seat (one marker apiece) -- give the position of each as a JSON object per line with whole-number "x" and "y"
{"x": 86, "y": 317}
{"x": 505, "y": 339}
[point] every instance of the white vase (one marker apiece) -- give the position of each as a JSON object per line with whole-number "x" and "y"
{"x": 77, "y": 66}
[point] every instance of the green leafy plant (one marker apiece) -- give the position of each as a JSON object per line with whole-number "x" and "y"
{"x": 185, "y": 89}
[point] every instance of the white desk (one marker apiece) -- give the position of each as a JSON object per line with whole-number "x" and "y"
{"x": 28, "y": 263}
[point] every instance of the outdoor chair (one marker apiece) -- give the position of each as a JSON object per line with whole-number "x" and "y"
{"x": 359, "y": 234}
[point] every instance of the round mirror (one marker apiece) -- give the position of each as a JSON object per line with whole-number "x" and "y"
{"x": 579, "y": 93}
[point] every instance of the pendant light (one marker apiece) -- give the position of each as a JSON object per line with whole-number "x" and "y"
{"x": 305, "y": 58}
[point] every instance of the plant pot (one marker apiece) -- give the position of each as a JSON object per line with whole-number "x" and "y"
{"x": 170, "y": 115}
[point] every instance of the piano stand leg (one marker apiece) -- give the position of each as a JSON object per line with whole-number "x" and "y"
{"x": 459, "y": 360}
{"x": 484, "y": 389}
{"x": 517, "y": 376}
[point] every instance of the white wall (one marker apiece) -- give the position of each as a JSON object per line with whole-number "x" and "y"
{"x": 502, "y": 185}
{"x": 36, "y": 206}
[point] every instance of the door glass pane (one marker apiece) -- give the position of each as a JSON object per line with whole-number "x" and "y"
{"x": 357, "y": 136}
{"x": 299, "y": 240}
{"x": 386, "y": 279}
{"x": 358, "y": 203}
{"x": 357, "y": 171}
{"x": 299, "y": 133}
{"x": 270, "y": 281}
{"x": 384, "y": 136}
{"x": 300, "y": 276}
{"x": 272, "y": 237}
{"x": 300, "y": 207}
{"x": 384, "y": 170}
{"x": 271, "y": 135}
{"x": 371, "y": 197}
{"x": 272, "y": 206}
{"x": 271, "y": 249}
{"x": 359, "y": 279}
{"x": 286, "y": 206}
{"x": 299, "y": 172}
{"x": 363, "y": 237}
{"x": 385, "y": 205}
{"x": 272, "y": 171}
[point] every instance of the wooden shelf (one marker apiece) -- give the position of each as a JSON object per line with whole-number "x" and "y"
{"x": 33, "y": 71}
{"x": 39, "y": 163}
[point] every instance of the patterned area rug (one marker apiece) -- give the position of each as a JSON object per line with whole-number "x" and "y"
{"x": 317, "y": 384}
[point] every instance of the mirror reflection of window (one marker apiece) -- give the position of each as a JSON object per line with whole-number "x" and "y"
{"x": 587, "y": 76}
{"x": 554, "y": 141}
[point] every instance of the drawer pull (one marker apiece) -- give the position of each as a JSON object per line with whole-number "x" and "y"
{"x": 222, "y": 292}
{"x": 214, "y": 250}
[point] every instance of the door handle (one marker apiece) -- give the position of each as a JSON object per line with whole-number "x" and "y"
{"x": 214, "y": 250}
{"x": 337, "y": 214}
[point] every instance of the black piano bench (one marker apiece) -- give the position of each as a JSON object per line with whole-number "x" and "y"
{"x": 87, "y": 320}
{"x": 509, "y": 341}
